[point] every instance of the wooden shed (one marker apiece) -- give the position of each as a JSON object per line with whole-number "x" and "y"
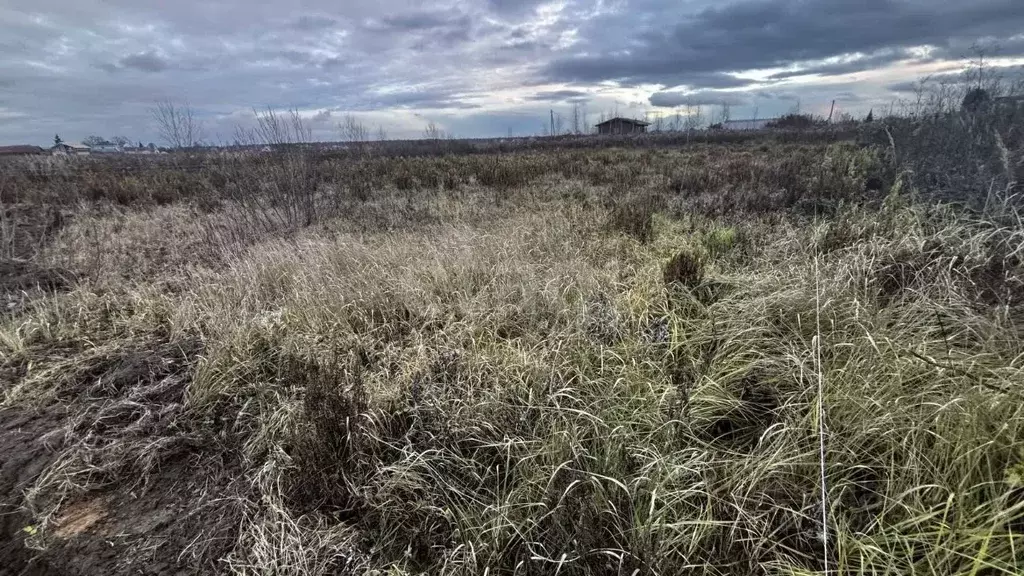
{"x": 622, "y": 126}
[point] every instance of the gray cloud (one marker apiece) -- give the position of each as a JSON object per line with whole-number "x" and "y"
{"x": 148, "y": 61}
{"x": 848, "y": 96}
{"x": 848, "y": 66}
{"x": 516, "y": 52}
{"x": 637, "y": 69}
{"x": 559, "y": 96}
{"x": 758, "y": 34}
{"x": 410, "y": 21}
{"x": 905, "y": 86}
{"x": 422, "y": 21}
{"x": 514, "y": 7}
{"x": 701, "y": 98}
{"x": 95, "y": 66}
{"x": 1009, "y": 76}
{"x": 313, "y": 23}
{"x": 423, "y": 99}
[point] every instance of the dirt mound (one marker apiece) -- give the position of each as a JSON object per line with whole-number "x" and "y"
{"x": 21, "y": 277}
{"x": 181, "y": 521}
{"x": 23, "y": 457}
{"x": 17, "y": 274}
{"x": 112, "y": 477}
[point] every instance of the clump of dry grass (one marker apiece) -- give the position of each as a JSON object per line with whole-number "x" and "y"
{"x": 525, "y": 373}
{"x": 684, "y": 269}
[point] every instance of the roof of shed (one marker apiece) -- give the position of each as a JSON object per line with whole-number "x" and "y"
{"x": 21, "y": 149}
{"x": 629, "y": 120}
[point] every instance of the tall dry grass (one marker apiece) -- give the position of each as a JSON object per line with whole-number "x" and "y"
{"x": 588, "y": 362}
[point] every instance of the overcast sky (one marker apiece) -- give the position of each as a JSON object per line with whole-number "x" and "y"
{"x": 476, "y": 68}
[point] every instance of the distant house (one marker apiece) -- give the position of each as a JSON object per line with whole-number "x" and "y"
{"x": 21, "y": 151}
{"x": 751, "y": 124}
{"x": 622, "y": 126}
{"x": 105, "y": 148}
{"x": 150, "y": 149}
{"x": 70, "y": 149}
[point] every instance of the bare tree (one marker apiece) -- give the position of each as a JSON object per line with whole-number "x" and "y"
{"x": 677, "y": 122}
{"x": 659, "y": 123}
{"x": 694, "y": 117}
{"x": 559, "y": 127}
{"x": 578, "y": 118}
{"x": 178, "y": 124}
{"x": 725, "y": 111}
{"x": 302, "y": 132}
{"x": 382, "y": 134}
{"x": 275, "y": 128}
{"x": 433, "y": 131}
{"x": 352, "y": 130}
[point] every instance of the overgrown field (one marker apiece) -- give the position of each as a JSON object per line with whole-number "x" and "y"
{"x": 759, "y": 358}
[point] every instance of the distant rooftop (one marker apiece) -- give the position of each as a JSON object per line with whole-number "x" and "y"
{"x": 20, "y": 149}
{"x": 629, "y": 120}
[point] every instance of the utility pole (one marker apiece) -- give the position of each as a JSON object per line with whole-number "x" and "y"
{"x": 831, "y": 110}
{"x": 552, "y": 122}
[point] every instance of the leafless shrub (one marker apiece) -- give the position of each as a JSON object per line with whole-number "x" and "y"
{"x": 352, "y": 130}
{"x": 433, "y": 132}
{"x": 274, "y": 128}
{"x": 178, "y": 124}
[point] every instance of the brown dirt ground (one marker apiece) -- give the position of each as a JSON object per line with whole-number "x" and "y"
{"x": 178, "y": 513}
{"x": 182, "y": 521}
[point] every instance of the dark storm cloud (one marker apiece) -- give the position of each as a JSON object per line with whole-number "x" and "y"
{"x": 771, "y": 33}
{"x": 148, "y": 61}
